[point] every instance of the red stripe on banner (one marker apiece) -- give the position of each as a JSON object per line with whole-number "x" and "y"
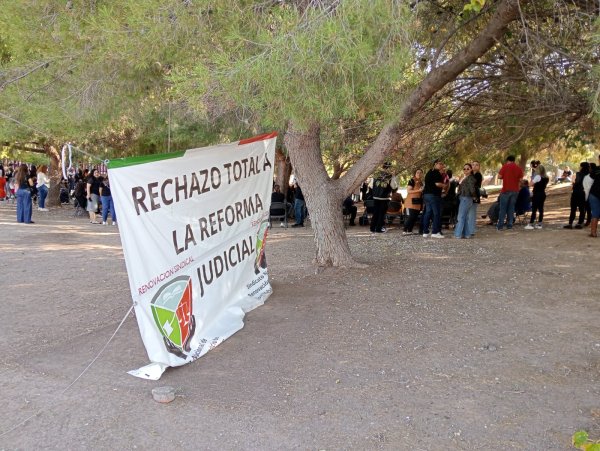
{"x": 258, "y": 138}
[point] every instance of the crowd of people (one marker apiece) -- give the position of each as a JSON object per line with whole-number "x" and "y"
{"x": 437, "y": 194}
{"x": 430, "y": 197}
{"x": 27, "y": 184}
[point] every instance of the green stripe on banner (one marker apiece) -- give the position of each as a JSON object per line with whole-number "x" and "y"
{"x": 132, "y": 161}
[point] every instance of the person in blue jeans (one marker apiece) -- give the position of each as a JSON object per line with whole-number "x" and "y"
{"x": 511, "y": 176}
{"x": 42, "y": 185}
{"x": 298, "y": 205}
{"x": 467, "y": 192}
{"x": 432, "y": 196}
{"x": 107, "y": 201}
{"x": 24, "y": 203}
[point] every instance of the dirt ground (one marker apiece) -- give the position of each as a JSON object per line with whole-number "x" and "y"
{"x": 488, "y": 344}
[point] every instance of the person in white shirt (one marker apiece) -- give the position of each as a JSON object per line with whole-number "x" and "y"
{"x": 42, "y": 185}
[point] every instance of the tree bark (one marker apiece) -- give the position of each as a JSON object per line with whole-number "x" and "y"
{"x": 323, "y": 197}
{"x": 55, "y": 175}
{"x": 283, "y": 170}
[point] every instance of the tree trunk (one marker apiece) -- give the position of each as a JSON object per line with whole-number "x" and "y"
{"x": 54, "y": 172}
{"x": 323, "y": 197}
{"x": 523, "y": 160}
{"x": 283, "y": 170}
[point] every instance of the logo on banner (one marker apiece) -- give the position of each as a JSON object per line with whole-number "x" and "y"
{"x": 172, "y": 312}
{"x": 261, "y": 237}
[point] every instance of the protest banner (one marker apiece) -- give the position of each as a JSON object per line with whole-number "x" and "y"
{"x": 193, "y": 226}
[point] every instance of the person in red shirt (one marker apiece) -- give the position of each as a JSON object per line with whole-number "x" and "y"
{"x": 2, "y": 185}
{"x": 511, "y": 176}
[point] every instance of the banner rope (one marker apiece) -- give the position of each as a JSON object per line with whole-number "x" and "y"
{"x": 44, "y": 409}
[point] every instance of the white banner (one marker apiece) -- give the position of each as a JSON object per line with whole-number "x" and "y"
{"x": 193, "y": 227}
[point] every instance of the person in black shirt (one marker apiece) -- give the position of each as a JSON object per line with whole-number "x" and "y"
{"x": 93, "y": 195}
{"x": 540, "y": 182}
{"x": 578, "y": 197}
{"x": 432, "y": 196}
{"x": 479, "y": 182}
{"x": 383, "y": 184}
{"x": 298, "y": 205}
{"x": 351, "y": 209}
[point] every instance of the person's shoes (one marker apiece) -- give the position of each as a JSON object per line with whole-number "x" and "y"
{"x": 437, "y": 235}
{"x": 538, "y": 226}
{"x": 282, "y": 225}
{"x": 42, "y": 209}
{"x": 104, "y": 223}
{"x": 499, "y": 229}
{"x": 578, "y": 226}
{"x": 483, "y": 216}
{"x": 298, "y": 225}
{"x": 406, "y": 233}
{"x": 352, "y": 224}
{"x": 94, "y": 222}
{"x": 383, "y": 230}
{"x": 529, "y": 227}
{"x": 30, "y": 222}
{"x": 569, "y": 226}
{"x": 114, "y": 223}
{"x": 426, "y": 235}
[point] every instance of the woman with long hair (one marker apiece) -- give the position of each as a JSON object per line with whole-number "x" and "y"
{"x": 540, "y": 182}
{"x": 42, "y": 185}
{"x": 23, "y": 189}
{"x": 467, "y": 192}
{"x": 414, "y": 201}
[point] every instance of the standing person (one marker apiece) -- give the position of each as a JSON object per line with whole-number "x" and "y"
{"x": 298, "y": 205}
{"x": 578, "y": 197}
{"x": 363, "y": 190}
{"x": 23, "y": 189}
{"x": 432, "y": 195}
{"x": 511, "y": 175}
{"x": 540, "y": 182}
{"x": 467, "y": 192}
{"x": 473, "y": 210}
{"x": 383, "y": 184}
{"x": 93, "y": 195}
{"x": 532, "y": 166}
{"x": 42, "y": 185}
{"x": 594, "y": 199}
{"x": 2, "y": 185}
{"x": 107, "y": 201}
{"x": 413, "y": 201}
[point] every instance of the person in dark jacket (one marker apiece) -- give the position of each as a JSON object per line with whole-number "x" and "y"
{"x": 298, "y": 205}
{"x": 383, "y": 184}
{"x": 467, "y": 192}
{"x": 578, "y": 197}
{"x": 350, "y": 209}
{"x": 432, "y": 196}
{"x": 540, "y": 182}
{"x": 594, "y": 199}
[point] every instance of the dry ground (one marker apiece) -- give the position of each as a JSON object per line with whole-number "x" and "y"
{"x": 488, "y": 344}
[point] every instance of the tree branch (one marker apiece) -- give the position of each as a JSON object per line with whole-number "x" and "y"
{"x": 506, "y": 12}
